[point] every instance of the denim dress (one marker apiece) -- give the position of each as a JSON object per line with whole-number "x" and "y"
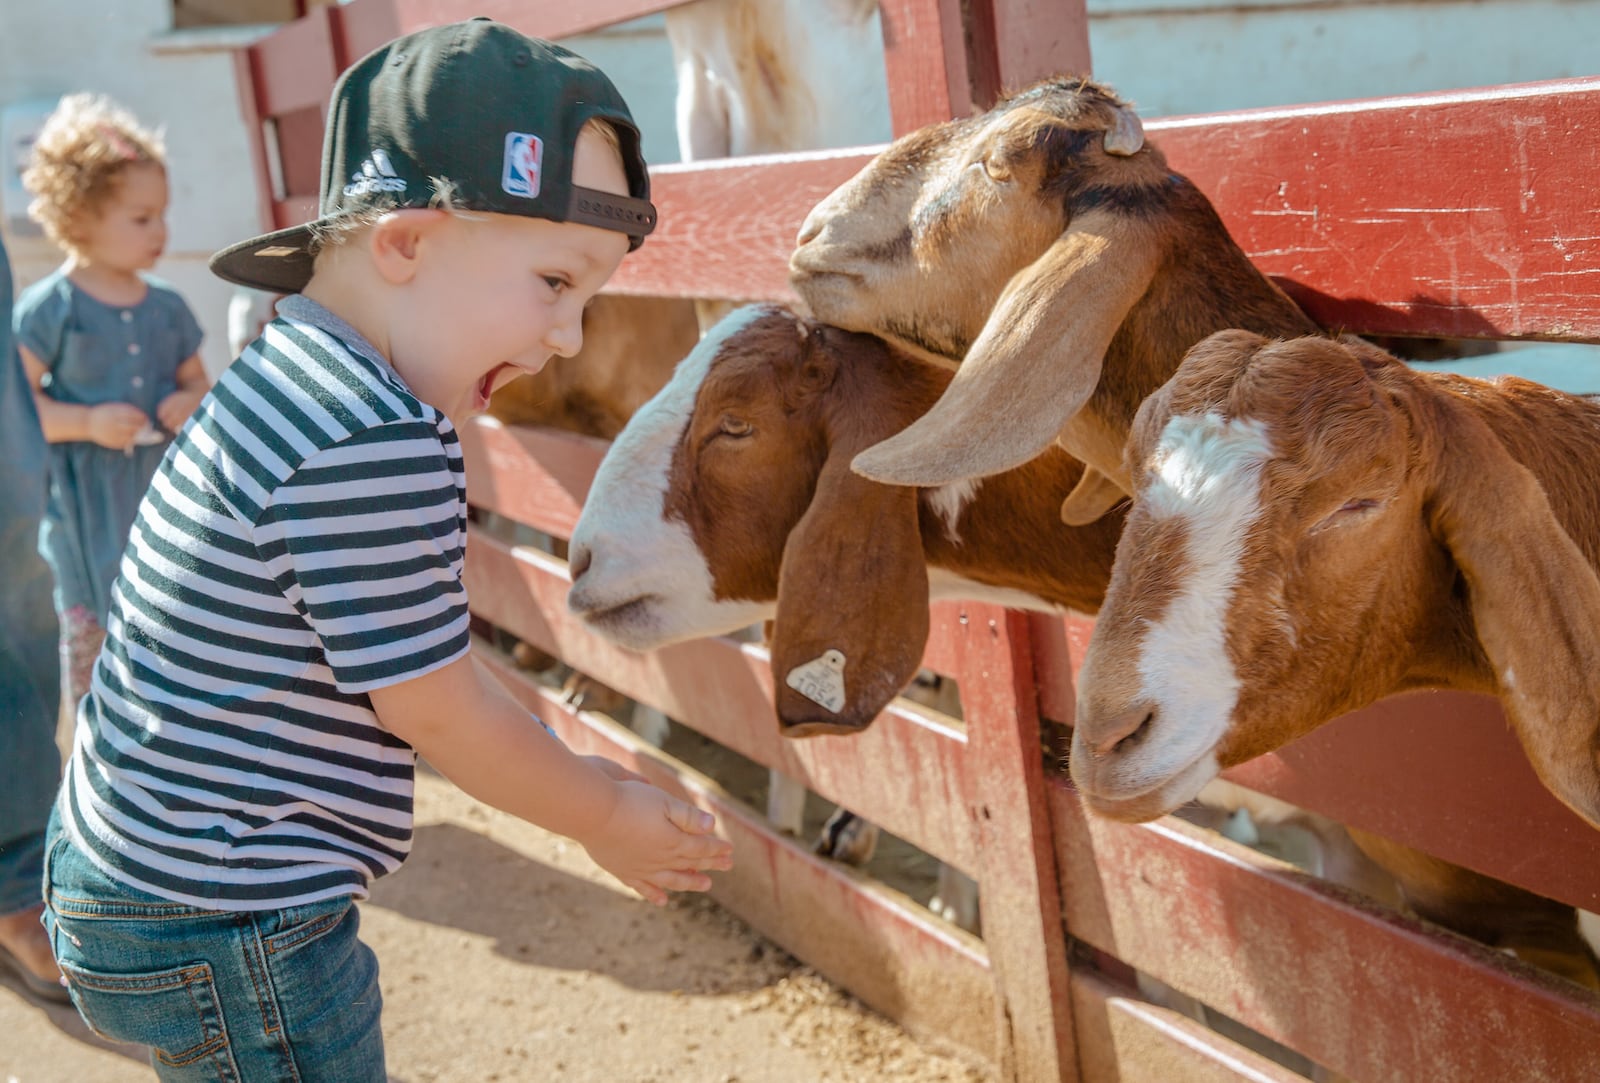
{"x": 96, "y": 353}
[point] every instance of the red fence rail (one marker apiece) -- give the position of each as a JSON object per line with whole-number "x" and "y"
{"x": 1463, "y": 214}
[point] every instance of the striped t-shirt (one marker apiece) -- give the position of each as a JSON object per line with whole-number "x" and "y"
{"x": 301, "y": 545}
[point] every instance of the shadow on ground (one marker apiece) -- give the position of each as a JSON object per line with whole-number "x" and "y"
{"x": 543, "y": 916}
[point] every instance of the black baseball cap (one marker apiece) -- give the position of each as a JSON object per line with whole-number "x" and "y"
{"x": 477, "y": 104}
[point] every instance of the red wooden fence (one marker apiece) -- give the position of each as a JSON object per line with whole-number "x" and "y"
{"x": 1464, "y": 214}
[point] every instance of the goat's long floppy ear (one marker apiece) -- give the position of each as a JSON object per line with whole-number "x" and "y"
{"x": 1536, "y": 605}
{"x": 1093, "y": 496}
{"x": 1035, "y": 363}
{"x": 852, "y": 598}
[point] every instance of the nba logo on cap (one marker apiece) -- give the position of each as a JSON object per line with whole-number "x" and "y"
{"x": 524, "y": 152}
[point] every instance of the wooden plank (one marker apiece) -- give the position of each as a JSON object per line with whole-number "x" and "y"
{"x": 1467, "y": 213}
{"x": 1383, "y": 216}
{"x": 1442, "y": 772}
{"x": 925, "y": 55}
{"x": 551, "y": 19}
{"x": 907, "y": 773}
{"x": 360, "y": 27}
{"x": 1025, "y": 41}
{"x": 1356, "y": 988}
{"x": 928, "y": 975}
{"x": 296, "y": 66}
{"x": 726, "y": 227}
{"x": 1017, "y": 877}
{"x": 1123, "y": 1039}
{"x": 533, "y": 475}
{"x": 245, "y": 74}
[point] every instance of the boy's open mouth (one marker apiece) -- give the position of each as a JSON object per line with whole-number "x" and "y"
{"x": 498, "y": 376}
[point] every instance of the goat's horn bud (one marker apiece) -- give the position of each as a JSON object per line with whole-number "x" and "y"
{"x": 1126, "y": 135}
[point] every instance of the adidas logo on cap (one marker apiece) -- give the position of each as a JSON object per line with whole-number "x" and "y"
{"x": 376, "y": 175}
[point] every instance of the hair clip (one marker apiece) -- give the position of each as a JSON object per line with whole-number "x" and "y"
{"x": 119, "y": 142}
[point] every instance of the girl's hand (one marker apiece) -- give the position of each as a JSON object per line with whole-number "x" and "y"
{"x": 655, "y": 843}
{"x": 175, "y": 409}
{"x": 115, "y": 424}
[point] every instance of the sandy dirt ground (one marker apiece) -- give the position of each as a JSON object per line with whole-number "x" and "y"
{"x": 506, "y": 955}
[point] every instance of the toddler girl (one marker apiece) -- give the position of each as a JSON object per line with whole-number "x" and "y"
{"x": 109, "y": 352}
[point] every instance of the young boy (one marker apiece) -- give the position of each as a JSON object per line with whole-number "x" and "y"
{"x": 289, "y": 628}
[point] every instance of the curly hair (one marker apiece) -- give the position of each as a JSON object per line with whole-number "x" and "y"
{"x": 78, "y": 160}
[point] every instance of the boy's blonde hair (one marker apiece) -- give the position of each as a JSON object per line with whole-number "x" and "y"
{"x": 85, "y": 146}
{"x": 332, "y": 232}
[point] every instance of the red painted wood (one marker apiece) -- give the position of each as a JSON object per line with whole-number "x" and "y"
{"x": 245, "y": 73}
{"x": 1440, "y": 771}
{"x": 907, "y": 773}
{"x": 875, "y": 942}
{"x": 295, "y": 66}
{"x": 1021, "y": 906}
{"x": 925, "y": 55}
{"x": 536, "y": 476}
{"x": 727, "y": 227}
{"x": 1028, "y": 40}
{"x": 1387, "y": 216}
{"x": 362, "y": 26}
{"x": 1358, "y": 989}
{"x": 1465, "y": 213}
{"x": 1125, "y": 1038}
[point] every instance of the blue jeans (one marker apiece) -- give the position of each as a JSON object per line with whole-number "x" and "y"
{"x": 235, "y": 996}
{"x": 30, "y": 766}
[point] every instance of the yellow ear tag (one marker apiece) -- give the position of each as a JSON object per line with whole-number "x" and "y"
{"x": 820, "y": 680}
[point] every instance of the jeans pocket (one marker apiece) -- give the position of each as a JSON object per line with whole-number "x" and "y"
{"x": 175, "y": 1012}
{"x": 304, "y": 925}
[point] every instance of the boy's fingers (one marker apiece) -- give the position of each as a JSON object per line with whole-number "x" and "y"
{"x": 681, "y": 880}
{"x": 685, "y": 817}
{"x": 706, "y": 852}
{"x": 651, "y": 893}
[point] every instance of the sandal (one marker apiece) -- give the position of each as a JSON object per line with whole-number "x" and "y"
{"x": 54, "y": 992}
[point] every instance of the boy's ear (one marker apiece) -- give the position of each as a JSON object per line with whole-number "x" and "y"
{"x": 395, "y": 240}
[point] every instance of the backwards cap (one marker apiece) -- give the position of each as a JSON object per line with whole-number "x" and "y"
{"x": 483, "y": 107}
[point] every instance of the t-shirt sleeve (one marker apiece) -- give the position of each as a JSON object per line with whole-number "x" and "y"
{"x": 367, "y": 540}
{"x": 40, "y": 321}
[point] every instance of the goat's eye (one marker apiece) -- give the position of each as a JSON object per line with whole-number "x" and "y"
{"x": 734, "y": 426}
{"x": 997, "y": 170}
{"x": 1349, "y": 512}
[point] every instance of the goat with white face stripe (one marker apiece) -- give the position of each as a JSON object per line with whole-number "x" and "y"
{"x": 728, "y": 499}
{"x": 1316, "y": 526}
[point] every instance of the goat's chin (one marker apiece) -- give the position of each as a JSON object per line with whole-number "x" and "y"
{"x": 1149, "y": 804}
{"x": 832, "y": 297}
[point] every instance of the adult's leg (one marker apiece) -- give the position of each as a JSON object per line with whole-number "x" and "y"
{"x": 30, "y": 765}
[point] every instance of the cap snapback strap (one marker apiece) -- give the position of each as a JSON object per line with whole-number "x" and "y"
{"x": 591, "y": 207}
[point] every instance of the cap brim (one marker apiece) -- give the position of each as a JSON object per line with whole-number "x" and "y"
{"x": 279, "y": 262}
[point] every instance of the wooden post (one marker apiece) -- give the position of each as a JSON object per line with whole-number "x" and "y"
{"x": 1018, "y": 888}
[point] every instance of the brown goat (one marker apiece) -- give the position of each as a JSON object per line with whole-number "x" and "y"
{"x": 1317, "y": 526}
{"x": 1048, "y": 249}
{"x": 729, "y": 500}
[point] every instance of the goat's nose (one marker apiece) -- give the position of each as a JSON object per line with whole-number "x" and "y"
{"x": 1121, "y": 731}
{"x": 579, "y": 557}
{"x": 808, "y": 230}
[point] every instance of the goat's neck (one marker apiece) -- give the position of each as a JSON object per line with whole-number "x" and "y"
{"x": 1010, "y": 536}
{"x": 1206, "y": 284}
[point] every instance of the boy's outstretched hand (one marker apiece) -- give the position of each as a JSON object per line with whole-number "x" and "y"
{"x": 655, "y": 843}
